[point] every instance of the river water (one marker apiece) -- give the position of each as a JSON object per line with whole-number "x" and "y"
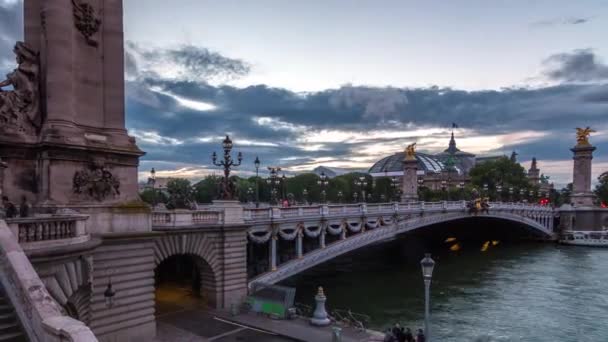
{"x": 512, "y": 292}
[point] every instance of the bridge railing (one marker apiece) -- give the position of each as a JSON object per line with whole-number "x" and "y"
{"x": 49, "y": 230}
{"x": 165, "y": 219}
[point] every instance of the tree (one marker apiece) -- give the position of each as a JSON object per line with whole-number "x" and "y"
{"x": 601, "y": 189}
{"x": 504, "y": 172}
{"x": 181, "y": 194}
{"x": 153, "y": 196}
{"x": 207, "y": 189}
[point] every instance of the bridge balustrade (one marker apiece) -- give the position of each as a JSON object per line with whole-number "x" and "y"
{"x": 164, "y": 219}
{"x": 49, "y": 230}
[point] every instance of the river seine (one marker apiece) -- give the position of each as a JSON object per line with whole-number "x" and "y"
{"x": 511, "y": 292}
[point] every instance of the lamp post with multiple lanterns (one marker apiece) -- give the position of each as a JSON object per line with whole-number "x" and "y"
{"x": 361, "y": 182}
{"x": 228, "y": 190}
{"x": 274, "y": 180}
{"x": 323, "y": 182}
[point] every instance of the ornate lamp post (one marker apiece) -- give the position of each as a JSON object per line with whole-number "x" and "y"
{"x": 485, "y": 189}
{"x": 361, "y": 183}
{"x": 369, "y": 197}
{"x": 305, "y": 196}
{"x": 499, "y": 192}
{"x": 510, "y": 194}
{"x": 355, "y": 196}
{"x": 427, "y": 265}
{"x": 257, "y": 187}
{"x": 109, "y": 294}
{"x": 249, "y": 195}
{"x": 461, "y": 190}
{"x": 273, "y": 181}
{"x": 444, "y": 188}
{"x": 382, "y": 198}
{"x": 340, "y": 195}
{"x": 531, "y": 195}
{"x": 521, "y": 194}
{"x": 283, "y": 187}
{"x": 323, "y": 182}
{"x": 228, "y": 189}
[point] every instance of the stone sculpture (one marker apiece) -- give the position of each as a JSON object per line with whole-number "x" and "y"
{"x": 20, "y": 107}
{"x": 582, "y": 136}
{"x": 410, "y": 152}
{"x": 85, "y": 21}
{"x": 96, "y": 182}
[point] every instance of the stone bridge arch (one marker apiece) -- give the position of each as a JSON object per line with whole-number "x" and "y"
{"x": 203, "y": 251}
{"x": 538, "y": 223}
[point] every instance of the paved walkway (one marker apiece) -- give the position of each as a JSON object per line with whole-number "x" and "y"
{"x": 183, "y": 317}
{"x": 300, "y": 329}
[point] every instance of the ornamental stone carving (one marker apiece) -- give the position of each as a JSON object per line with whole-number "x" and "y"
{"x": 96, "y": 182}
{"x": 20, "y": 107}
{"x": 85, "y": 21}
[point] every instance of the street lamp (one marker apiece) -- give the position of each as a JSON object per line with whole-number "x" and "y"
{"x": 355, "y": 196}
{"x": 361, "y": 183}
{"x": 249, "y": 194}
{"x": 108, "y": 294}
{"x": 427, "y": 265}
{"x": 323, "y": 182}
{"x": 485, "y": 189}
{"x": 461, "y": 190}
{"x": 499, "y": 192}
{"x": 305, "y": 195}
{"x": 444, "y": 187}
{"x": 153, "y": 181}
{"x": 521, "y": 194}
{"x": 369, "y": 197}
{"x": 228, "y": 191}
{"x": 510, "y": 194}
{"x": 531, "y": 194}
{"x": 257, "y": 187}
{"x": 340, "y": 195}
{"x": 283, "y": 187}
{"x": 273, "y": 181}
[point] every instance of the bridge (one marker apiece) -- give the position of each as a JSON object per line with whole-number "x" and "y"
{"x": 349, "y": 227}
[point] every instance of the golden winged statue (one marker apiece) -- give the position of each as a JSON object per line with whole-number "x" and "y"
{"x": 410, "y": 152}
{"x": 582, "y": 136}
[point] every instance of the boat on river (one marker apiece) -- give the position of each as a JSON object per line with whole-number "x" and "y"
{"x": 585, "y": 238}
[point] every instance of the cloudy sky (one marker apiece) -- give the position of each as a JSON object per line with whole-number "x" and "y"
{"x": 344, "y": 83}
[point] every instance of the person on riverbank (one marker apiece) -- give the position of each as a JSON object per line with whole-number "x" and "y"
{"x": 388, "y": 336}
{"x": 398, "y": 333}
{"x": 408, "y": 336}
{"x": 10, "y": 210}
{"x": 420, "y": 337}
{"x": 24, "y": 207}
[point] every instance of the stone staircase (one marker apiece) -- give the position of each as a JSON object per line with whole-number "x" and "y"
{"x": 10, "y": 328}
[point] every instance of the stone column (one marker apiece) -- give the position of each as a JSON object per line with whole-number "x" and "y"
{"x": 409, "y": 183}
{"x": 581, "y": 176}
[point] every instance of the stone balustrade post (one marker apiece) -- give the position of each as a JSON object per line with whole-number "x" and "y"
{"x": 395, "y": 207}
{"x": 322, "y": 237}
{"x": 363, "y": 208}
{"x": 275, "y": 213}
{"x": 299, "y": 237}
{"x": 300, "y": 211}
{"x": 273, "y": 252}
{"x": 324, "y": 210}
{"x": 319, "y": 316}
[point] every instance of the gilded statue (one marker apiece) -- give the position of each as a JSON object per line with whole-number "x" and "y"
{"x": 582, "y": 136}
{"x": 410, "y": 152}
{"x": 20, "y": 107}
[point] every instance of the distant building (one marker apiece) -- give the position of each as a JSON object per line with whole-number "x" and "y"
{"x": 448, "y": 168}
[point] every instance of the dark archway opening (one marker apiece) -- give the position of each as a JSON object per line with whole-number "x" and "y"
{"x": 177, "y": 281}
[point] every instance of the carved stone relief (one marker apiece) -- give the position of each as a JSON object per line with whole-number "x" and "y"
{"x": 86, "y": 21}
{"x": 20, "y": 107}
{"x": 96, "y": 182}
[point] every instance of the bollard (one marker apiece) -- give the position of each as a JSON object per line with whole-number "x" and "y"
{"x": 320, "y": 317}
{"x": 336, "y": 334}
